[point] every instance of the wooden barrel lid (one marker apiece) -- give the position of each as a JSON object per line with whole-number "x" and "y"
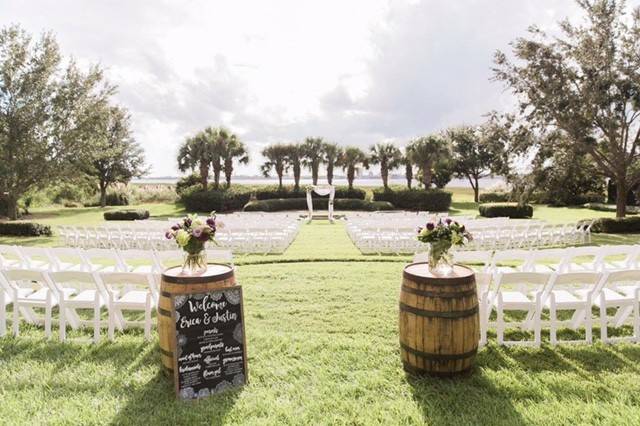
{"x": 420, "y": 273}
{"x": 214, "y": 272}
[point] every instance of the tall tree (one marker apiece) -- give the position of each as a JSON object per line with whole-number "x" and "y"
{"x": 477, "y": 153}
{"x": 276, "y": 156}
{"x": 408, "y": 166}
{"x": 426, "y": 152}
{"x": 295, "y": 155}
{"x": 233, "y": 150}
{"x": 331, "y": 152}
{"x": 219, "y": 137}
{"x": 388, "y": 156}
{"x": 351, "y": 160}
{"x": 197, "y": 153}
{"x": 116, "y": 157}
{"x": 46, "y": 112}
{"x": 313, "y": 157}
{"x": 586, "y": 83}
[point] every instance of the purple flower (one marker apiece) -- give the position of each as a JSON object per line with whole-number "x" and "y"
{"x": 197, "y": 232}
{"x": 448, "y": 221}
{"x": 176, "y": 227}
{"x": 187, "y": 222}
{"x": 168, "y": 235}
{"x": 211, "y": 222}
{"x": 430, "y": 226}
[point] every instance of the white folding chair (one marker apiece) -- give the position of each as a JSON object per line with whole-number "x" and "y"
{"x": 519, "y": 291}
{"x": 620, "y": 290}
{"x": 68, "y": 259}
{"x": 585, "y": 259}
{"x": 7, "y": 298}
{"x": 620, "y": 257}
{"x": 478, "y": 260}
{"x": 548, "y": 260}
{"x": 10, "y": 258}
{"x": 509, "y": 260}
{"x": 220, "y": 256}
{"x": 139, "y": 261}
{"x": 32, "y": 289}
{"x": 483, "y": 285}
{"x": 90, "y": 294}
{"x": 37, "y": 258}
{"x": 573, "y": 291}
{"x": 130, "y": 292}
{"x": 102, "y": 260}
{"x": 168, "y": 258}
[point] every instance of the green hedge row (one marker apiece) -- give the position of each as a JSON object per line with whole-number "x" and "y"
{"x": 223, "y": 200}
{"x": 601, "y": 207}
{"x": 434, "y": 200}
{"x": 494, "y": 197}
{"x": 127, "y": 215}
{"x": 24, "y": 229}
{"x": 271, "y": 192}
{"x": 512, "y": 210}
{"x": 610, "y": 225}
{"x": 283, "y": 204}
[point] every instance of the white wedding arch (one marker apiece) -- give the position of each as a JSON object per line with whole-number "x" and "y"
{"x": 321, "y": 190}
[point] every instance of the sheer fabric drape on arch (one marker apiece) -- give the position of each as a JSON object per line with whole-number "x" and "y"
{"x": 321, "y": 190}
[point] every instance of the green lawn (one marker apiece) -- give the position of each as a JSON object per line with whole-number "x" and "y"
{"x": 323, "y": 349}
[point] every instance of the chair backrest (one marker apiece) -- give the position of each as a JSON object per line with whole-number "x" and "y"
{"x": 512, "y": 257}
{"x": 523, "y": 281}
{"x": 9, "y": 256}
{"x": 137, "y": 256}
{"x": 77, "y": 280}
{"x": 483, "y": 281}
{"x": 613, "y": 279}
{"x": 482, "y": 257}
{"x": 556, "y": 257}
{"x": 33, "y": 255}
{"x": 584, "y": 254}
{"x": 71, "y": 255}
{"x": 103, "y": 256}
{"x": 169, "y": 258}
{"x": 627, "y": 253}
{"x": 115, "y": 281}
{"x": 572, "y": 281}
{"x": 220, "y": 256}
{"x": 26, "y": 278}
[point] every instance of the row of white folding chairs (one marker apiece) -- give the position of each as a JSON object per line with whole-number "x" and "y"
{"x": 534, "y": 293}
{"x": 258, "y": 239}
{"x": 569, "y": 259}
{"x": 58, "y": 259}
{"x": 25, "y": 290}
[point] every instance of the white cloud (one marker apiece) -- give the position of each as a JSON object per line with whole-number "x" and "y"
{"x": 355, "y": 72}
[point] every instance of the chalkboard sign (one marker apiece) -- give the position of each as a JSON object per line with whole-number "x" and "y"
{"x": 210, "y": 343}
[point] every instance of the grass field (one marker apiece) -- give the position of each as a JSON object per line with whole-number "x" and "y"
{"x": 323, "y": 349}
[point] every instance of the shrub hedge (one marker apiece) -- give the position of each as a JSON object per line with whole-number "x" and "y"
{"x": 282, "y": 204}
{"x": 601, "y": 207}
{"x": 24, "y": 229}
{"x": 127, "y": 215}
{"x": 609, "y": 225}
{"x": 222, "y": 200}
{"x": 434, "y": 200}
{"x": 512, "y": 210}
{"x": 494, "y": 197}
{"x": 271, "y": 192}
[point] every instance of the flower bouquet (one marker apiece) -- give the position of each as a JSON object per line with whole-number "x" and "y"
{"x": 441, "y": 237}
{"x": 191, "y": 235}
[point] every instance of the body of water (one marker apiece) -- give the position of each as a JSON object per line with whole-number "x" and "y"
{"x": 362, "y": 181}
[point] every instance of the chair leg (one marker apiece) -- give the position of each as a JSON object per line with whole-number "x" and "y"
{"x": 16, "y": 319}
{"x": 603, "y": 322}
{"x": 3, "y": 314}
{"x": 636, "y": 320}
{"x": 63, "y": 322}
{"x": 96, "y": 321}
{"x": 147, "y": 319}
{"x": 553, "y": 326}
{"x": 47, "y": 316}
{"x": 588, "y": 325}
{"x": 500, "y": 324}
{"x": 111, "y": 322}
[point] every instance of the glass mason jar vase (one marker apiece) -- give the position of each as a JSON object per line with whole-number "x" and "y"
{"x": 194, "y": 263}
{"x": 440, "y": 260}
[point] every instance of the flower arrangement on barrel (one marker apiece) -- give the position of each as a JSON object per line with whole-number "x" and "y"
{"x": 441, "y": 237}
{"x": 191, "y": 235}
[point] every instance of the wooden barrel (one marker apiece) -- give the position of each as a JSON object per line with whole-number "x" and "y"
{"x": 439, "y": 323}
{"x": 217, "y": 276}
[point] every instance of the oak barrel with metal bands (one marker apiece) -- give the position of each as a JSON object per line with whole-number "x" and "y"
{"x": 439, "y": 323}
{"x": 216, "y": 277}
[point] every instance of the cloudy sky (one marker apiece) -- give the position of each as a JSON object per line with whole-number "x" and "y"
{"x": 355, "y": 72}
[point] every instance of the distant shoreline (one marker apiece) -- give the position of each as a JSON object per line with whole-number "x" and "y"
{"x": 363, "y": 181}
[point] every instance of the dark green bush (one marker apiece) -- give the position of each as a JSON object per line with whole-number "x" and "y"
{"x": 494, "y": 197}
{"x": 127, "y": 215}
{"x": 24, "y": 229}
{"x": 609, "y": 225}
{"x": 187, "y": 182}
{"x": 271, "y": 192}
{"x": 600, "y": 207}
{"x": 223, "y": 200}
{"x": 282, "y": 204}
{"x": 434, "y": 200}
{"x": 512, "y": 210}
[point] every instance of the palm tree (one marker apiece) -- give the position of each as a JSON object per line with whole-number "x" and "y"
{"x": 312, "y": 148}
{"x": 295, "y": 157}
{"x": 276, "y": 156}
{"x": 197, "y": 153}
{"x": 408, "y": 165}
{"x": 425, "y": 152}
{"x": 389, "y": 158}
{"x": 331, "y": 153}
{"x": 351, "y": 159}
{"x": 233, "y": 149}
{"x": 220, "y": 138}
